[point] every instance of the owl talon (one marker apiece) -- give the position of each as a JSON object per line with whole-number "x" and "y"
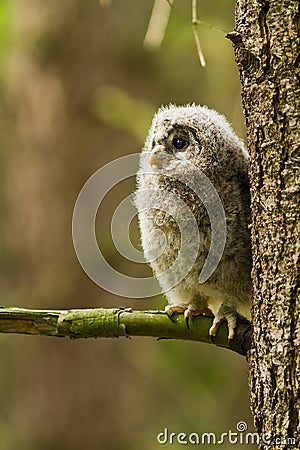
{"x": 215, "y": 326}
{"x": 229, "y": 314}
{"x": 169, "y": 314}
{"x": 187, "y": 321}
{"x": 212, "y": 339}
{"x": 172, "y": 309}
{"x": 188, "y": 312}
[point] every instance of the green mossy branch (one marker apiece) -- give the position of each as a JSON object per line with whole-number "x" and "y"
{"x": 116, "y": 322}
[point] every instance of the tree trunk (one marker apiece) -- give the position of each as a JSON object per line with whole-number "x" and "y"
{"x": 265, "y": 43}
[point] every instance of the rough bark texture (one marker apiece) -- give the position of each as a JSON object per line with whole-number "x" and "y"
{"x": 265, "y": 43}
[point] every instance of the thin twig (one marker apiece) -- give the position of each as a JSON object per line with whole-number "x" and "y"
{"x": 195, "y": 31}
{"x": 158, "y": 23}
{"x": 212, "y": 27}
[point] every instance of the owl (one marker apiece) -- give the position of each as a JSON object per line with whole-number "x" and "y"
{"x": 193, "y": 204}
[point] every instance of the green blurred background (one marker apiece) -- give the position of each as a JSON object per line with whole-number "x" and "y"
{"x": 77, "y": 91}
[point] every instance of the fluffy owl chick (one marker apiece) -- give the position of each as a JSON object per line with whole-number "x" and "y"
{"x": 184, "y": 143}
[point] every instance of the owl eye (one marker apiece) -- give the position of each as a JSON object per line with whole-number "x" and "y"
{"x": 179, "y": 143}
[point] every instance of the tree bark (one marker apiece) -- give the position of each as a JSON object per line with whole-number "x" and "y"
{"x": 266, "y": 49}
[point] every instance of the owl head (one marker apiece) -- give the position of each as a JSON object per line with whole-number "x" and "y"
{"x": 195, "y": 134}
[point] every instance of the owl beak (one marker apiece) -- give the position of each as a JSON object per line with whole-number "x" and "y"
{"x": 157, "y": 157}
{"x": 153, "y": 159}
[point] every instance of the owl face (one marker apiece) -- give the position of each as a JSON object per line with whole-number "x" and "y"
{"x": 173, "y": 143}
{"x": 197, "y": 135}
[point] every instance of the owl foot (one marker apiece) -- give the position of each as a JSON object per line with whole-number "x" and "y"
{"x": 227, "y": 313}
{"x": 188, "y": 312}
{"x": 172, "y": 309}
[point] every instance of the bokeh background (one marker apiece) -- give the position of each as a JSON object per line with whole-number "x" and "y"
{"x": 78, "y": 90}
